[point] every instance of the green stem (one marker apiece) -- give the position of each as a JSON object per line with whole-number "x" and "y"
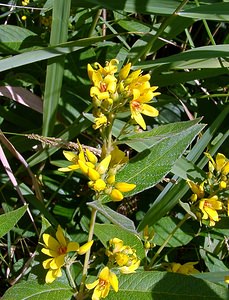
{"x": 167, "y": 240}
{"x": 70, "y": 279}
{"x": 211, "y": 38}
{"x": 94, "y": 22}
{"x": 87, "y": 255}
{"x": 142, "y": 55}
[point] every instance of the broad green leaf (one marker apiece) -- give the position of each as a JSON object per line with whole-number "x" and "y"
{"x": 166, "y": 286}
{"x": 213, "y": 56}
{"x": 14, "y": 38}
{"x": 114, "y": 217}
{"x": 105, "y": 232}
{"x": 148, "y": 167}
{"x": 174, "y": 77}
{"x": 212, "y": 276}
{"x": 145, "y": 140}
{"x": 164, "y": 227}
{"x": 8, "y": 220}
{"x": 215, "y": 11}
{"x": 187, "y": 170}
{"x": 164, "y": 7}
{"x": 172, "y": 193}
{"x": 31, "y": 290}
{"x": 47, "y": 53}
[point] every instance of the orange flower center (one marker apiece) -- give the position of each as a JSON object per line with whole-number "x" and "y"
{"x": 62, "y": 250}
{"x": 102, "y": 284}
{"x": 103, "y": 87}
{"x": 207, "y": 204}
{"x": 136, "y": 105}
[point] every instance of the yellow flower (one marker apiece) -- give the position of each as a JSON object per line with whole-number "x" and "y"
{"x": 119, "y": 188}
{"x": 226, "y": 279}
{"x": 187, "y": 268}
{"x": 25, "y": 2}
{"x": 209, "y": 207}
{"x": 124, "y": 256}
{"x": 100, "y": 121}
{"x": 118, "y": 158}
{"x": 73, "y": 158}
{"x": 103, "y": 284}
{"x": 124, "y": 72}
{"x": 57, "y": 248}
{"x": 138, "y": 105}
{"x": 220, "y": 164}
{"x": 197, "y": 189}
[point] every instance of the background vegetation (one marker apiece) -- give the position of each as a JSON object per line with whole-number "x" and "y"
{"x": 45, "y": 47}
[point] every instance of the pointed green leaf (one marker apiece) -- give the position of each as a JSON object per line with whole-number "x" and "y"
{"x": 164, "y": 227}
{"x": 31, "y": 290}
{"x": 13, "y": 38}
{"x": 113, "y": 216}
{"x": 166, "y": 286}
{"x": 215, "y": 11}
{"x": 148, "y": 167}
{"x": 9, "y": 219}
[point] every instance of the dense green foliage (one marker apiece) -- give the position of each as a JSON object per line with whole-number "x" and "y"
{"x": 45, "y": 47}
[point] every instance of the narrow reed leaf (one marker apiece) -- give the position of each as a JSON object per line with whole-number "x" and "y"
{"x": 55, "y": 68}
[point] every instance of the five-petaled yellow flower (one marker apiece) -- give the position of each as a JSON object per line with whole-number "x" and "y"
{"x": 103, "y": 284}
{"x": 209, "y": 207}
{"x": 58, "y": 248}
{"x": 187, "y": 268}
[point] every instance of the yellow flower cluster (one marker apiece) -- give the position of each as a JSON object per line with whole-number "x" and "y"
{"x": 112, "y": 93}
{"x": 119, "y": 255}
{"x": 101, "y": 174}
{"x": 123, "y": 256}
{"x": 187, "y": 268}
{"x": 58, "y": 249}
{"x": 25, "y": 2}
{"x": 211, "y": 195}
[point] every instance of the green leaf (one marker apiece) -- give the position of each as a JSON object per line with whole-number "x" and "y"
{"x": 148, "y": 167}
{"x": 113, "y": 216}
{"x": 47, "y": 53}
{"x": 166, "y": 286}
{"x": 212, "y": 276}
{"x": 164, "y": 227}
{"x": 163, "y": 7}
{"x": 9, "y": 219}
{"x": 172, "y": 193}
{"x": 145, "y": 140}
{"x": 105, "y": 232}
{"x": 13, "y": 38}
{"x": 31, "y": 290}
{"x": 213, "y": 56}
{"x": 187, "y": 170}
{"x": 215, "y": 11}
{"x": 55, "y": 67}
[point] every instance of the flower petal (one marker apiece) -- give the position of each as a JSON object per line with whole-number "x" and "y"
{"x": 46, "y": 263}
{"x": 49, "y": 252}
{"x": 57, "y": 262}
{"x": 124, "y": 186}
{"x": 83, "y": 249}
{"x": 90, "y": 286}
{"x": 113, "y": 281}
{"x": 50, "y": 241}
{"x": 136, "y": 115}
{"x": 60, "y": 236}
{"x": 72, "y": 246}
{"x": 149, "y": 110}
